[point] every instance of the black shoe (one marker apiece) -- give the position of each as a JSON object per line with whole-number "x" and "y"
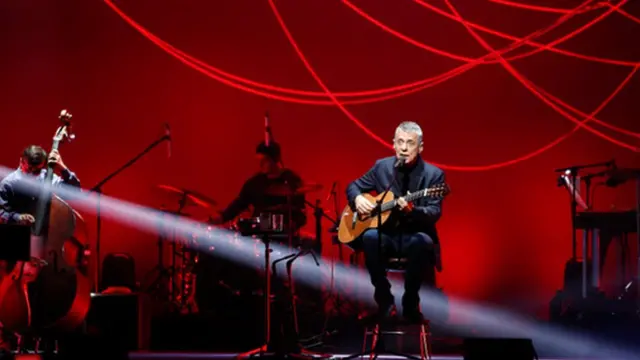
{"x": 386, "y": 310}
{"x": 6, "y": 355}
{"x": 411, "y": 308}
{"x": 385, "y": 301}
{"x": 412, "y": 315}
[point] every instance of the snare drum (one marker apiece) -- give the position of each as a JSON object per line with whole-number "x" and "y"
{"x": 266, "y": 223}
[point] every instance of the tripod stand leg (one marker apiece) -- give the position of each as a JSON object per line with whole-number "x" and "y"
{"x": 267, "y": 305}
{"x": 292, "y": 294}
{"x": 257, "y": 351}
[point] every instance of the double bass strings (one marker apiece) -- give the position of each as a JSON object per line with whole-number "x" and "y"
{"x": 489, "y": 321}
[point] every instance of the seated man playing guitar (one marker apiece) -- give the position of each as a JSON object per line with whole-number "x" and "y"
{"x": 410, "y": 231}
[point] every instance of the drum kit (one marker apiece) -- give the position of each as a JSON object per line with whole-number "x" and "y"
{"x": 195, "y": 275}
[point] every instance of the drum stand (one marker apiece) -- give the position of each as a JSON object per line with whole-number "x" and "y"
{"x": 170, "y": 271}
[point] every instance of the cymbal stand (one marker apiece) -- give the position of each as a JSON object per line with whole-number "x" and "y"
{"x": 319, "y": 215}
{"x": 170, "y": 271}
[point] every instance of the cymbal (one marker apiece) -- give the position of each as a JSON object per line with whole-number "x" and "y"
{"x": 624, "y": 173}
{"x": 286, "y": 190}
{"x": 177, "y": 213}
{"x": 192, "y": 197}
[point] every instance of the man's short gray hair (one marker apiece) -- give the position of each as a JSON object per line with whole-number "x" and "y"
{"x": 410, "y": 127}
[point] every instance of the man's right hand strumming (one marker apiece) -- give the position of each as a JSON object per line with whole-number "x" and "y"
{"x": 26, "y": 219}
{"x": 363, "y": 205}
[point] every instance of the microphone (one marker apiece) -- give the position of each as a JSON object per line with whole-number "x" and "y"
{"x": 267, "y": 130}
{"x": 332, "y": 191}
{"x": 167, "y": 135}
{"x": 400, "y": 162}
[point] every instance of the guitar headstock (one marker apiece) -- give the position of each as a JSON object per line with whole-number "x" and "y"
{"x": 440, "y": 190}
{"x": 64, "y": 132}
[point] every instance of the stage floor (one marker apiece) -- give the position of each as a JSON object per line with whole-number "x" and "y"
{"x": 187, "y": 355}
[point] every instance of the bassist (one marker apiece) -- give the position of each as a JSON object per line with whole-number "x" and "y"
{"x": 17, "y": 207}
{"x": 411, "y": 229}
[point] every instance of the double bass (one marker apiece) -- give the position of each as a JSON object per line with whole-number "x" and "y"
{"x": 52, "y": 292}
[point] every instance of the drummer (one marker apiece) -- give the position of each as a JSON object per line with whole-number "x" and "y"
{"x": 268, "y": 190}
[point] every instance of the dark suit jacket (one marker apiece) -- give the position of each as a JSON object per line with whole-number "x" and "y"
{"x": 426, "y": 211}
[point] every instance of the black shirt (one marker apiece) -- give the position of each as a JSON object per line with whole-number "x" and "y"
{"x": 405, "y": 181}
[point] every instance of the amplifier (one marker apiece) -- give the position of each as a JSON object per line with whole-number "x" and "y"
{"x": 573, "y": 276}
{"x": 120, "y": 320}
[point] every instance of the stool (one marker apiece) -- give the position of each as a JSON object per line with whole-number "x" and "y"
{"x": 396, "y": 265}
{"x": 377, "y": 346}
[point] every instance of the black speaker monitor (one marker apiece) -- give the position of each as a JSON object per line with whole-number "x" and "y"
{"x": 15, "y": 242}
{"x": 498, "y": 348}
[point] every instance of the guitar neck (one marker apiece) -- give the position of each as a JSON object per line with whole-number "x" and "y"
{"x": 409, "y": 198}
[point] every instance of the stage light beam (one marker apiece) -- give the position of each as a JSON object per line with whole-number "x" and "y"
{"x": 488, "y": 321}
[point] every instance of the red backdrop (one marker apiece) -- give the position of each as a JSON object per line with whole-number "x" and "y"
{"x": 506, "y": 231}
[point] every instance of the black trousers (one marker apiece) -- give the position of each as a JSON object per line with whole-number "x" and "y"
{"x": 417, "y": 248}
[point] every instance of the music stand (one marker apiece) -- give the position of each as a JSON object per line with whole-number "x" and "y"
{"x": 15, "y": 242}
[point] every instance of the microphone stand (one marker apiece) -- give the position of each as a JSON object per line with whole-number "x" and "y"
{"x": 98, "y": 190}
{"x": 378, "y": 347}
{"x": 379, "y": 210}
{"x": 292, "y": 291}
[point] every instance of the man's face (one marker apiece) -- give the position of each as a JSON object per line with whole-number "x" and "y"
{"x": 407, "y": 145}
{"x": 32, "y": 169}
{"x": 266, "y": 164}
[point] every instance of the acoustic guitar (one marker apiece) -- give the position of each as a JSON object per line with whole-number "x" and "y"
{"x": 352, "y": 224}
{"x": 53, "y": 290}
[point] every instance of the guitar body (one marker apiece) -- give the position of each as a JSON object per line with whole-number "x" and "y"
{"x": 353, "y": 225}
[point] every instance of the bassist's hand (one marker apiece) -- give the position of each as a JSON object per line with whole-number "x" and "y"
{"x": 363, "y": 205}
{"x": 56, "y": 160}
{"x": 26, "y": 219}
